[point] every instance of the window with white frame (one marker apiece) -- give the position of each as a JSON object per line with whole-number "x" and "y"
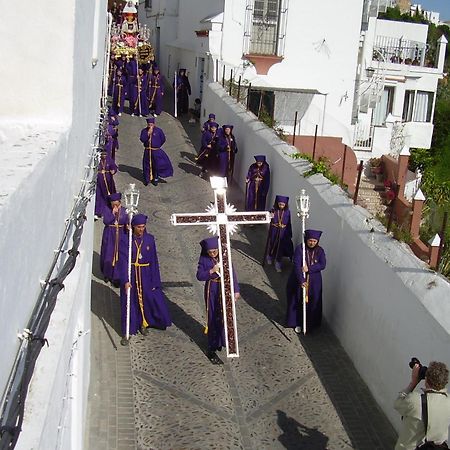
{"x": 384, "y": 106}
{"x": 418, "y": 106}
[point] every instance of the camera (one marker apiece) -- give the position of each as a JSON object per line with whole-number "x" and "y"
{"x": 422, "y": 370}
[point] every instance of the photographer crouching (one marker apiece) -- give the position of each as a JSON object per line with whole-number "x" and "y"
{"x": 426, "y": 416}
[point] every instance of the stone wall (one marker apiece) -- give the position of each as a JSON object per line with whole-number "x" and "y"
{"x": 383, "y": 303}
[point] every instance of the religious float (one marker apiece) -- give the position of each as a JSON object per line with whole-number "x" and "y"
{"x": 129, "y": 38}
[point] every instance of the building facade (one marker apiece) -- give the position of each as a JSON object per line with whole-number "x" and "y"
{"x": 48, "y": 116}
{"x": 371, "y": 83}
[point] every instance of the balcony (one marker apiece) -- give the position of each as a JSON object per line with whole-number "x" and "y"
{"x": 402, "y": 51}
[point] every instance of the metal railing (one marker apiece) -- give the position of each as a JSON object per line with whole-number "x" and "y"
{"x": 402, "y": 51}
{"x": 363, "y": 136}
{"x": 266, "y": 34}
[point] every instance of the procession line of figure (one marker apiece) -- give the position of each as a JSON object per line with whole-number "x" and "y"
{"x": 148, "y": 307}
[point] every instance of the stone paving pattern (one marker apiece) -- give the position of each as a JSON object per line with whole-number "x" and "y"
{"x": 284, "y": 391}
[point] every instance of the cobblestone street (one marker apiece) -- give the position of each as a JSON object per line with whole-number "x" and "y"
{"x": 162, "y": 392}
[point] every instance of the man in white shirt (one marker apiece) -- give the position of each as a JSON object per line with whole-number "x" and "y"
{"x": 409, "y": 405}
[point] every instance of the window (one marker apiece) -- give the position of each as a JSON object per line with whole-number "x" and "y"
{"x": 418, "y": 106}
{"x": 264, "y": 31}
{"x": 384, "y": 106}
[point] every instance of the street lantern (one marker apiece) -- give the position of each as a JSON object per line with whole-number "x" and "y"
{"x": 302, "y": 202}
{"x": 131, "y": 198}
{"x": 131, "y": 202}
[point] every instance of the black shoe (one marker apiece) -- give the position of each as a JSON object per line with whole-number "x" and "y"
{"x": 212, "y": 356}
{"x": 124, "y": 341}
{"x": 161, "y": 180}
{"x": 144, "y": 331}
{"x": 154, "y": 182}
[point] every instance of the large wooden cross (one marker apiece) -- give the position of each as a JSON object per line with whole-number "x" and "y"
{"x": 222, "y": 219}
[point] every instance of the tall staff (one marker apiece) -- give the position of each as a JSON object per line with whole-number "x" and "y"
{"x": 175, "y": 85}
{"x": 131, "y": 202}
{"x": 302, "y": 202}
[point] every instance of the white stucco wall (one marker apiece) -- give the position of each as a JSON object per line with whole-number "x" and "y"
{"x": 382, "y": 303}
{"x": 48, "y": 116}
{"x": 32, "y": 88}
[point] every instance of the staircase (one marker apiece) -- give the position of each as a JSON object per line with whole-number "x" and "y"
{"x": 369, "y": 196}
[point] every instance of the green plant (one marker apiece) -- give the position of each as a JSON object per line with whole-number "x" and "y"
{"x": 322, "y": 166}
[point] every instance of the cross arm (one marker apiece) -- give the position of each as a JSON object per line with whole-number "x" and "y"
{"x": 193, "y": 219}
{"x": 249, "y": 217}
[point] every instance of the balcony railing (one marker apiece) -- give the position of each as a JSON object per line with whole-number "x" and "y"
{"x": 402, "y": 51}
{"x": 363, "y": 136}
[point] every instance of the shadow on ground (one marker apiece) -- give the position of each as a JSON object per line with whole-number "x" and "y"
{"x": 105, "y": 304}
{"x": 134, "y": 172}
{"x": 296, "y": 436}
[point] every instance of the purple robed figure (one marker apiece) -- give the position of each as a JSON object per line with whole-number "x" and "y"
{"x": 148, "y": 307}
{"x": 131, "y": 68}
{"x": 183, "y": 91}
{"x": 156, "y": 92}
{"x": 207, "y": 157}
{"x": 227, "y": 148}
{"x": 258, "y": 182}
{"x": 118, "y": 93}
{"x": 114, "y": 219}
{"x": 155, "y": 162}
{"x": 316, "y": 262}
{"x": 207, "y": 270}
{"x": 139, "y": 98}
{"x": 112, "y": 141}
{"x": 279, "y": 240}
{"x": 105, "y": 183}
{"x": 211, "y": 119}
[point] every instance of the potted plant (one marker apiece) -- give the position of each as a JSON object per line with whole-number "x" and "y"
{"x": 376, "y": 167}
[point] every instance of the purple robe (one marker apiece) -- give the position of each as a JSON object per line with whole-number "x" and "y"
{"x": 155, "y": 162}
{"x": 280, "y": 235}
{"x": 227, "y": 148}
{"x": 316, "y": 262}
{"x": 205, "y": 126}
{"x": 258, "y": 182}
{"x": 183, "y": 93}
{"x": 105, "y": 184}
{"x": 112, "y": 141}
{"x": 213, "y": 301}
{"x": 156, "y": 93}
{"x": 208, "y": 157}
{"x": 148, "y": 307}
{"x": 112, "y": 234}
{"x": 131, "y": 68}
{"x": 118, "y": 94}
{"x": 138, "y": 96}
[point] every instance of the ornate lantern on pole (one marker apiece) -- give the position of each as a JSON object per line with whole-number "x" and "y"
{"x": 131, "y": 202}
{"x": 302, "y": 203}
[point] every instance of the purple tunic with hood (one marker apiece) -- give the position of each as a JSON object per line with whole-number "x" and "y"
{"x": 280, "y": 232}
{"x": 112, "y": 234}
{"x": 212, "y": 294}
{"x": 148, "y": 307}
{"x": 155, "y": 162}
{"x": 258, "y": 183}
{"x": 316, "y": 261}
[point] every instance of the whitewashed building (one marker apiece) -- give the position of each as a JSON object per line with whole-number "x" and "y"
{"x": 395, "y": 90}
{"x": 431, "y": 16}
{"x": 52, "y": 85}
{"x": 344, "y": 80}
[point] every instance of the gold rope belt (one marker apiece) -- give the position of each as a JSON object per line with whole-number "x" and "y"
{"x": 116, "y": 243}
{"x": 138, "y": 275}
